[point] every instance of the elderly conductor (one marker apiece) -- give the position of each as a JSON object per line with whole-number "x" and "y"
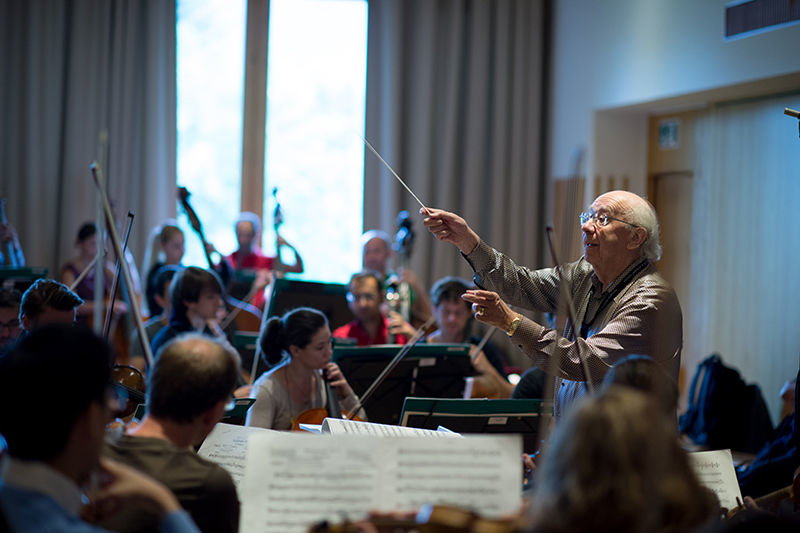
{"x": 622, "y": 305}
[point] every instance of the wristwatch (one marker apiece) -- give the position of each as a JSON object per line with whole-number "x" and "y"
{"x": 512, "y": 328}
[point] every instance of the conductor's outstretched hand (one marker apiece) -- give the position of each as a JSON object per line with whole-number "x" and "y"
{"x": 449, "y": 227}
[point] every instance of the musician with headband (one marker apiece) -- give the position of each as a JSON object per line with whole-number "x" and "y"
{"x": 623, "y": 306}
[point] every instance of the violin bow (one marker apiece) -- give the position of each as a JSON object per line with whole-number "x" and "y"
{"x": 126, "y": 271}
{"x": 115, "y": 283}
{"x": 418, "y": 335}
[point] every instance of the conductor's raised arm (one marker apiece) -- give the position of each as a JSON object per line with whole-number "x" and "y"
{"x": 449, "y": 227}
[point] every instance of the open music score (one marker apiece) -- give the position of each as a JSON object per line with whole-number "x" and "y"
{"x": 287, "y": 481}
{"x": 714, "y": 469}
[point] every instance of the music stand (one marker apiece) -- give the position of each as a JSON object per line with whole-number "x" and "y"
{"x": 20, "y": 278}
{"x": 519, "y": 417}
{"x": 432, "y": 370}
{"x": 329, "y": 298}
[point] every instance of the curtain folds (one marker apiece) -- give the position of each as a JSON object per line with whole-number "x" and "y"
{"x": 454, "y": 90}
{"x": 92, "y": 79}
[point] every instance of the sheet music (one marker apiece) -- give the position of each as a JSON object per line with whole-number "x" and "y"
{"x": 294, "y": 480}
{"x": 339, "y": 426}
{"x": 226, "y": 445}
{"x": 715, "y": 471}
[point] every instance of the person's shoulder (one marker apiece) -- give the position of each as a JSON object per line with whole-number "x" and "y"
{"x": 344, "y": 331}
{"x": 30, "y": 511}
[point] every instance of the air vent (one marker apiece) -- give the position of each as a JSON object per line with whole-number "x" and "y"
{"x": 747, "y": 17}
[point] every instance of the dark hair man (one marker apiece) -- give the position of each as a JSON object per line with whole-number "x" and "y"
{"x": 48, "y": 301}
{"x": 51, "y": 461}
{"x": 188, "y": 389}
{"x": 370, "y": 326}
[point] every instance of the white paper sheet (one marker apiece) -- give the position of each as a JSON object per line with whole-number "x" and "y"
{"x": 338, "y": 426}
{"x": 714, "y": 470}
{"x": 294, "y": 480}
{"x": 226, "y": 445}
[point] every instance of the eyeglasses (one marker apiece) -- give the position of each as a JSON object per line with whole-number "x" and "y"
{"x": 370, "y": 297}
{"x": 601, "y": 220}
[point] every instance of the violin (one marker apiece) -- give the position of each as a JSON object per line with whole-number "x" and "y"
{"x": 332, "y": 409}
{"x": 131, "y": 380}
{"x": 430, "y": 519}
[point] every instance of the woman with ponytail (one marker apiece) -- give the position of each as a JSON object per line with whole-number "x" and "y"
{"x": 297, "y": 347}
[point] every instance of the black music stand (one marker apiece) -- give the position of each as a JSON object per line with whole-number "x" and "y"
{"x": 329, "y": 298}
{"x": 483, "y": 416}
{"x": 432, "y": 370}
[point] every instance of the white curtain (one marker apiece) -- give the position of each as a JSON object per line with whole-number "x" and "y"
{"x": 70, "y": 71}
{"x": 745, "y": 251}
{"x": 454, "y": 92}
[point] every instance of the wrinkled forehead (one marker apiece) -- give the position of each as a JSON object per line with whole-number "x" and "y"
{"x": 611, "y": 204}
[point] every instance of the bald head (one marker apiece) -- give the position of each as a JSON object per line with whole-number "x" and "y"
{"x": 192, "y": 374}
{"x": 638, "y": 211}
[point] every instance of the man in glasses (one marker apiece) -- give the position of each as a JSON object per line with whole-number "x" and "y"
{"x": 188, "y": 390}
{"x": 371, "y": 326}
{"x": 55, "y": 462}
{"x": 623, "y": 306}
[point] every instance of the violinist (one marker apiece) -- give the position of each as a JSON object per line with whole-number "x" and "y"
{"x": 47, "y": 301}
{"x": 86, "y": 246}
{"x": 188, "y": 390}
{"x": 9, "y": 316}
{"x": 167, "y": 245}
{"x": 371, "y": 326}
{"x": 298, "y": 348}
{"x": 454, "y": 317}
{"x": 249, "y": 257}
{"x": 196, "y": 296}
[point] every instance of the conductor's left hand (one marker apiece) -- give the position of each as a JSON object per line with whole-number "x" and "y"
{"x": 489, "y": 308}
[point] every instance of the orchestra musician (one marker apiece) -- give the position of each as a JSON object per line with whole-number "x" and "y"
{"x": 188, "y": 390}
{"x": 623, "y": 305}
{"x": 167, "y": 245}
{"x": 453, "y": 318}
{"x": 154, "y": 324}
{"x": 86, "y": 243}
{"x": 365, "y": 294}
{"x": 249, "y": 257}
{"x": 376, "y": 255}
{"x": 297, "y": 346}
{"x": 47, "y": 301}
{"x": 11, "y": 254}
{"x": 52, "y": 461}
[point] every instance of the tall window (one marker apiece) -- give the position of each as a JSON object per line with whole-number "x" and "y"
{"x": 315, "y": 117}
{"x": 210, "y": 57}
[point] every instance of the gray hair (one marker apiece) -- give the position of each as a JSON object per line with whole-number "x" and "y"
{"x": 643, "y": 214}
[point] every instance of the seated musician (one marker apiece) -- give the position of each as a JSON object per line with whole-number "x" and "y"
{"x": 614, "y": 464}
{"x": 453, "y": 316}
{"x": 51, "y": 462}
{"x": 376, "y": 255}
{"x": 297, "y": 346}
{"x": 188, "y": 390}
{"x": 9, "y": 316}
{"x": 47, "y": 301}
{"x": 86, "y": 247}
{"x": 167, "y": 245}
{"x": 154, "y": 324}
{"x": 249, "y": 257}
{"x": 371, "y": 326}
{"x": 196, "y": 296}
